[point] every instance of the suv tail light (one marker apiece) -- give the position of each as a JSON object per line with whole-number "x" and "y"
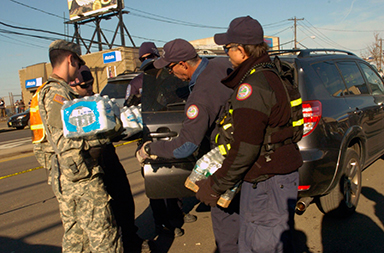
{"x": 311, "y": 115}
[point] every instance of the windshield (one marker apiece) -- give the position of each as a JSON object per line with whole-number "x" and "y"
{"x": 116, "y": 89}
{"x": 163, "y": 92}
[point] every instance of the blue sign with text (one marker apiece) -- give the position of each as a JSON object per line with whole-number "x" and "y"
{"x": 112, "y": 57}
{"x": 31, "y": 83}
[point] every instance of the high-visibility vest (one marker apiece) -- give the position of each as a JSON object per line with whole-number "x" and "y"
{"x": 37, "y": 126}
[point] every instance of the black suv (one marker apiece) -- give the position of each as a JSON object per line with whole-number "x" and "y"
{"x": 344, "y": 128}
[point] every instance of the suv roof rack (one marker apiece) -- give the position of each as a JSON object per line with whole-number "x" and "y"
{"x": 308, "y": 52}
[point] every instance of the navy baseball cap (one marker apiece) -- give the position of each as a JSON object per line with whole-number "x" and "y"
{"x": 242, "y": 30}
{"x": 148, "y": 48}
{"x": 175, "y": 51}
{"x": 84, "y": 76}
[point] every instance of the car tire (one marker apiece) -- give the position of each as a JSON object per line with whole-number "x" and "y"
{"x": 342, "y": 200}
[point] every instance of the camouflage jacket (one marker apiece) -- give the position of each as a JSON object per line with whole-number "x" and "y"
{"x": 74, "y": 160}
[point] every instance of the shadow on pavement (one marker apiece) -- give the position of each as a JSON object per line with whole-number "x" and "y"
{"x": 17, "y": 245}
{"x": 357, "y": 233}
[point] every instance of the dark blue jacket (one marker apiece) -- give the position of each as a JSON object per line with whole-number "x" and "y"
{"x": 202, "y": 109}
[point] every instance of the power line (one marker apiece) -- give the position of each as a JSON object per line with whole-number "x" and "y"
{"x": 322, "y": 35}
{"x": 171, "y": 20}
{"x": 349, "y": 31}
{"x": 290, "y": 27}
{"x": 36, "y": 9}
{"x": 57, "y": 16}
{"x": 275, "y": 23}
{"x": 23, "y": 42}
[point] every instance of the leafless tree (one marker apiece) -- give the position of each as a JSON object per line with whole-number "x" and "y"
{"x": 374, "y": 52}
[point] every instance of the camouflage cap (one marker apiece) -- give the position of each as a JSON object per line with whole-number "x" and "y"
{"x": 69, "y": 46}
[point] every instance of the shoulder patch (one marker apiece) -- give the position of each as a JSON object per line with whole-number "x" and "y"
{"x": 192, "y": 111}
{"x": 244, "y": 91}
{"x": 59, "y": 99}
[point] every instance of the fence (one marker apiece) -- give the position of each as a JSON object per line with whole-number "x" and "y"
{"x": 10, "y": 106}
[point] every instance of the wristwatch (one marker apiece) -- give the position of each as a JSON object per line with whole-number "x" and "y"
{"x": 147, "y": 149}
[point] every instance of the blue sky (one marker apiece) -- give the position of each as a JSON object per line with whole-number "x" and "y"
{"x": 342, "y": 24}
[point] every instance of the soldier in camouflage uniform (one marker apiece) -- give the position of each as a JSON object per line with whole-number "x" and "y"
{"x": 75, "y": 175}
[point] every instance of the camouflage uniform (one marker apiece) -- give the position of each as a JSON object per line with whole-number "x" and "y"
{"x": 76, "y": 179}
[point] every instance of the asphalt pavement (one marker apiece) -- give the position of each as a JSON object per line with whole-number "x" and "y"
{"x": 17, "y": 151}
{"x": 3, "y": 125}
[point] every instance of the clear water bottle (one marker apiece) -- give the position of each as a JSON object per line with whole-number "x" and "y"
{"x": 226, "y": 198}
{"x": 136, "y": 110}
{"x": 204, "y": 167}
{"x": 198, "y": 173}
{"x": 129, "y": 121}
{"x": 115, "y": 107}
{"x": 216, "y": 161}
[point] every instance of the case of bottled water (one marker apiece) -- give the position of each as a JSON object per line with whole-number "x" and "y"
{"x": 131, "y": 119}
{"x": 88, "y": 115}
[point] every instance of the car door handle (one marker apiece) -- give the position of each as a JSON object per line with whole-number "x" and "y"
{"x": 358, "y": 111}
{"x": 163, "y": 135}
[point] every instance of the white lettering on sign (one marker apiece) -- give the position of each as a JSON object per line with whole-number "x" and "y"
{"x": 109, "y": 57}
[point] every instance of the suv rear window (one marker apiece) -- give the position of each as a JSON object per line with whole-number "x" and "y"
{"x": 374, "y": 81}
{"x": 116, "y": 89}
{"x": 163, "y": 92}
{"x": 330, "y": 77}
{"x": 353, "y": 78}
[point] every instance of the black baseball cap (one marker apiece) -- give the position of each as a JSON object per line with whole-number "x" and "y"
{"x": 175, "y": 51}
{"x": 242, "y": 30}
{"x": 84, "y": 77}
{"x": 148, "y": 48}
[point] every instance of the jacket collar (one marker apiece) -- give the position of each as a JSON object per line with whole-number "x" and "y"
{"x": 234, "y": 79}
{"x": 62, "y": 82}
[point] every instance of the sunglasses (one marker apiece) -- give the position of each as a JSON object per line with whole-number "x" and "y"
{"x": 86, "y": 85}
{"x": 227, "y": 47}
{"x": 170, "y": 67}
{"x": 151, "y": 56}
{"x": 83, "y": 85}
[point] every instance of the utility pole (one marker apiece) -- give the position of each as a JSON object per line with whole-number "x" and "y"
{"x": 295, "y": 28}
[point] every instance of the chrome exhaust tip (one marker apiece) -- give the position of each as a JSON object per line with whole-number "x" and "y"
{"x": 302, "y": 204}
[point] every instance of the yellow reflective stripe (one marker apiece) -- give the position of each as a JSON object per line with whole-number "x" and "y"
{"x": 222, "y": 150}
{"x": 34, "y": 109}
{"x": 253, "y": 71}
{"x": 37, "y": 127}
{"x": 230, "y": 111}
{"x": 226, "y": 126}
{"x": 298, "y": 123}
{"x": 217, "y": 137}
{"x": 229, "y": 147}
{"x": 296, "y": 102}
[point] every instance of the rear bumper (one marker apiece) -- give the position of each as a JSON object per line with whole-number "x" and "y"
{"x": 317, "y": 171}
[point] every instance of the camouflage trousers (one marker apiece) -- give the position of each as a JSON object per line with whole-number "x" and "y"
{"x": 89, "y": 225}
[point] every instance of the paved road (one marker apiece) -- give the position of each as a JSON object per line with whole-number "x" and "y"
{"x": 30, "y": 222}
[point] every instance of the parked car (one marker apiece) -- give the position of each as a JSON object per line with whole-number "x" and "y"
{"x": 20, "y": 120}
{"x": 344, "y": 128}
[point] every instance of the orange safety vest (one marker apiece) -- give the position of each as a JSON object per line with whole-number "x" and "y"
{"x": 37, "y": 126}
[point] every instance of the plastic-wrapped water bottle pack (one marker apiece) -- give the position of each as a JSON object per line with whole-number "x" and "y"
{"x": 131, "y": 119}
{"x": 88, "y": 116}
